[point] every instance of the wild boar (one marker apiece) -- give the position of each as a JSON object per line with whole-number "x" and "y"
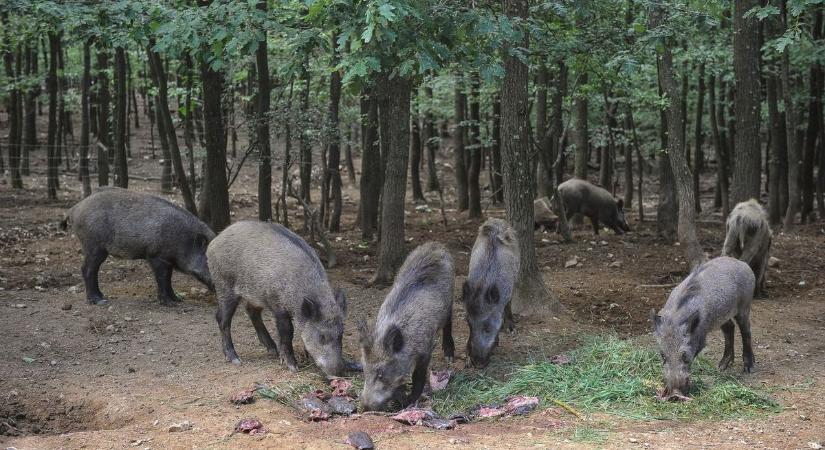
{"x": 748, "y": 237}
{"x": 494, "y": 264}
{"x": 589, "y": 200}
{"x": 133, "y": 225}
{"x": 402, "y": 340}
{"x": 267, "y": 266}
{"x": 715, "y": 294}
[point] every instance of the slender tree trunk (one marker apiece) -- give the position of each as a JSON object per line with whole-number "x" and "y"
{"x": 351, "y": 136}
{"x": 30, "y": 107}
{"x": 431, "y": 143}
{"x": 334, "y": 153}
{"x": 394, "y": 97}
{"x": 557, "y": 101}
{"x": 628, "y": 161}
{"x": 640, "y": 164}
{"x": 475, "y": 149}
{"x": 718, "y": 146}
{"x": 305, "y": 168}
{"x": 794, "y": 145}
{"x": 262, "y": 127}
{"x": 11, "y": 108}
{"x": 606, "y": 167}
{"x": 698, "y": 137}
{"x": 371, "y": 176}
{"x": 85, "y": 119}
{"x": 103, "y": 113}
{"x": 461, "y": 180}
{"x": 581, "y": 134}
{"x": 287, "y": 164}
{"x": 133, "y": 92}
{"x": 667, "y": 211}
{"x": 52, "y": 87}
{"x": 778, "y": 150}
{"x": 415, "y": 158}
{"x": 817, "y": 77}
{"x": 542, "y": 134}
{"x": 121, "y": 168}
{"x": 676, "y": 150}
{"x": 189, "y": 123}
{"x": 166, "y": 182}
{"x": 215, "y": 184}
{"x": 495, "y": 165}
{"x": 529, "y": 291}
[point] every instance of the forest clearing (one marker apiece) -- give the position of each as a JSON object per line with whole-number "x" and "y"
{"x": 327, "y": 158}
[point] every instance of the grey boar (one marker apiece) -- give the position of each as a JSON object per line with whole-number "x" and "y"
{"x": 269, "y": 267}
{"x": 543, "y": 215}
{"x": 715, "y": 294}
{"x": 581, "y": 197}
{"x": 402, "y": 340}
{"x": 133, "y": 225}
{"x": 494, "y": 264}
{"x": 748, "y": 237}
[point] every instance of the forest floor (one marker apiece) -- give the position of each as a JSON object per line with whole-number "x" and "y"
{"x": 73, "y": 375}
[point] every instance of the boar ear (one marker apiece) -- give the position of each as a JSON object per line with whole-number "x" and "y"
{"x": 393, "y": 340}
{"x": 655, "y": 319}
{"x": 620, "y": 204}
{"x": 493, "y": 296}
{"x": 309, "y": 309}
{"x": 693, "y": 321}
{"x": 341, "y": 299}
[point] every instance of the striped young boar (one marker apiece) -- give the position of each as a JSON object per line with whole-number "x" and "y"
{"x": 589, "y": 200}
{"x": 494, "y": 264}
{"x": 269, "y": 267}
{"x": 402, "y": 340}
{"x": 748, "y": 237}
{"x": 133, "y": 225}
{"x": 714, "y": 295}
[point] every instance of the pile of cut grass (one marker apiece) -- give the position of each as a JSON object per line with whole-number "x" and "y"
{"x": 613, "y": 376}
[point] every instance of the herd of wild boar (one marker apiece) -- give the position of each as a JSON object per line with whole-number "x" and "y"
{"x": 265, "y": 266}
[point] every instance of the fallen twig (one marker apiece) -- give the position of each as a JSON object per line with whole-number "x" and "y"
{"x": 656, "y": 286}
{"x": 568, "y": 408}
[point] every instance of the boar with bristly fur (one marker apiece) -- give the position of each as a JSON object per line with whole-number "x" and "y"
{"x": 582, "y": 197}
{"x": 494, "y": 264}
{"x": 403, "y": 337}
{"x": 748, "y": 238}
{"x": 266, "y": 266}
{"x": 133, "y": 225}
{"x": 714, "y": 295}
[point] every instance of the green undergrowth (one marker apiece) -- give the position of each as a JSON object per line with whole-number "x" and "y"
{"x": 609, "y": 375}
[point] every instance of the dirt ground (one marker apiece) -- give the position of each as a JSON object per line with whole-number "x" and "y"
{"x": 73, "y": 375}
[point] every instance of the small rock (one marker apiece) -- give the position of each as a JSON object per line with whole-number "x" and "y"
{"x": 74, "y": 289}
{"x": 110, "y": 328}
{"x": 250, "y": 425}
{"x": 66, "y": 306}
{"x": 633, "y": 440}
{"x": 603, "y": 243}
{"x": 183, "y": 426}
{"x": 615, "y": 264}
{"x": 243, "y": 397}
{"x": 814, "y": 445}
{"x": 111, "y": 309}
{"x": 571, "y": 262}
{"x": 802, "y": 283}
{"x": 53, "y": 362}
{"x": 774, "y": 262}
{"x": 20, "y": 305}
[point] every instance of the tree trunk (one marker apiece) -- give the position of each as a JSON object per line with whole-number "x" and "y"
{"x": 628, "y": 161}
{"x": 394, "y": 97}
{"x": 167, "y": 128}
{"x": 13, "y": 101}
{"x": 542, "y": 135}
{"x": 103, "y": 130}
{"x": 676, "y": 150}
{"x": 698, "y": 137}
{"x": 746, "y": 171}
{"x": 817, "y": 77}
{"x": 606, "y": 167}
{"x": 529, "y": 292}
{"x": 475, "y": 149}
{"x": 51, "y": 141}
{"x": 431, "y": 143}
{"x": 287, "y": 164}
{"x": 370, "y": 187}
{"x": 415, "y": 158}
{"x": 581, "y": 134}
{"x": 305, "y": 168}
{"x": 461, "y": 181}
{"x": 30, "y": 106}
{"x": 778, "y": 188}
{"x": 794, "y": 144}
{"x": 495, "y": 166}
{"x": 189, "y": 123}
{"x": 351, "y": 136}
{"x": 121, "y": 169}
{"x": 262, "y": 127}
{"x": 718, "y": 146}
{"x": 166, "y": 182}
{"x": 334, "y": 153}
{"x": 557, "y": 125}
{"x": 667, "y": 211}
{"x": 85, "y": 119}
{"x": 215, "y": 183}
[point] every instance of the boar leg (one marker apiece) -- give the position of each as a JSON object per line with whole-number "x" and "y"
{"x": 447, "y": 343}
{"x": 285, "y": 334}
{"x": 744, "y": 322}
{"x": 419, "y": 378}
{"x": 727, "y": 330}
{"x": 509, "y": 323}
{"x": 163, "y": 277}
{"x": 595, "y": 221}
{"x": 90, "y": 269}
{"x": 227, "y": 303}
{"x": 254, "y": 314}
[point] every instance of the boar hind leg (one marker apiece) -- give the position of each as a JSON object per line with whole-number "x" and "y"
{"x": 227, "y": 303}
{"x": 447, "y": 343}
{"x": 254, "y": 314}
{"x": 91, "y": 266}
{"x": 595, "y": 221}
{"x": 163, "y": 277}
{"x": 728, "y": 329}
{"x": 419, "y": 378}
{"x": 285, "y": 334}
{"x": 744, "y": 322}
{"x": 509, "y": 323}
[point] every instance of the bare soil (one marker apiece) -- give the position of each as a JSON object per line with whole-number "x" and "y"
{"x": 74, "y": 375}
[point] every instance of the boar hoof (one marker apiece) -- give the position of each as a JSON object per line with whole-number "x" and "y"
{"x": 235, "y": 361}
{"x": 100, "y": 301}
{"x": 748, "y": 368}
{"x": 724, "y": 363}
{"x": 449, "y": 360}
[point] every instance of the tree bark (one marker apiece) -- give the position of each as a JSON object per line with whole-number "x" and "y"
{"x": 431, "y": 144}
{"x": 103, "y": 113}
{"x": 542, "y": 135}
{"x": 746, "y": 54}
{"x": 215, "y": 184}
{"x": 778, "y": 150}
{"x": 676, "y": 150}
{"x": 628, "y": 161}
{"x": 718, "y": 146}
{"x": 334, "y": 153}
{"x": 415, "y": 159}
{"x": 121, "y": 168}
{"x": 11, "y": 108}
{"x": 794, "y": 144}
{"x": 699, "y": 137}
{"x": 305, "y": 163}
{"x": 495, "y": 165}
{"x": 581, "y": 134}
{"x": 30, "y": 106}
{"x": 371, "y": 176}
{"x": 85, "y": 119}
{"x": 262, "y": 127}
{"x": 667, "y": 211}
{"x": 475, "y": 149}
{"x": 529, "y": 291}
{"x": 51, "y": 141}
{"x": 461, "y": 181}
{"x": 817, "y": 77}
{"x": 394, "y": 97}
